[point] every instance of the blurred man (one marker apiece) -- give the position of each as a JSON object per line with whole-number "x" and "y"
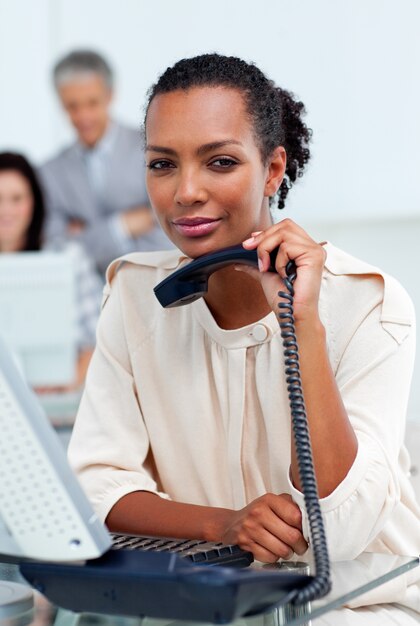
{"x": 95, "y": 188}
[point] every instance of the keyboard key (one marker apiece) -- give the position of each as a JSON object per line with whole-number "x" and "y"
{"x": 196, "y": 550}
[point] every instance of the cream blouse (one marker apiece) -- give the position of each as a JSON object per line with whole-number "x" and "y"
{"x": 176, "y": 405}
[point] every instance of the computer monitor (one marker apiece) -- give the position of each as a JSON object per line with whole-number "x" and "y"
{"x": 44, "y": 513}
{"x": 38, "y": 314}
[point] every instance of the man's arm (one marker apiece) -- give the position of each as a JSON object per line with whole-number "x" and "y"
{"x": 55, "y": 216}
{"x": 107, "y": 238}
{"x": 137, "y": 221}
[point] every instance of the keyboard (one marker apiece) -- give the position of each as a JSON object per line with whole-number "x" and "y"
{"x": 199, "y": 552}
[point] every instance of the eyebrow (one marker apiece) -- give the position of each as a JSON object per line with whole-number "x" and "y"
{"x": 207, "y": 147}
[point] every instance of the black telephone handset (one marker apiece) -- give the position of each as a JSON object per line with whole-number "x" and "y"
{"x": 189, "y": 283}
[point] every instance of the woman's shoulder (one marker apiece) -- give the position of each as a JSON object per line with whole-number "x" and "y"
{"x": 128, "y": 294}
{"x": 140, "y": 272}
{"x": 340, "y": 262}
{"x": 151, "y": 263}
{"x": 356, "y": 285}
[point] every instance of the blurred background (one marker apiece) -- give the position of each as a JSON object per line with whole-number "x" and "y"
{"x": 354, "y": 64}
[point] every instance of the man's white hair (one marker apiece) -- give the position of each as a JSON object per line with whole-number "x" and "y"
{"x": 82, "y": 63}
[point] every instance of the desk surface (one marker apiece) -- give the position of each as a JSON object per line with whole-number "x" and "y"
{"x": 350, "y": 579}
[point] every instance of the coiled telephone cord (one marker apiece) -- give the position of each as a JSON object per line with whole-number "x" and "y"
{"x": 320, "y": 585}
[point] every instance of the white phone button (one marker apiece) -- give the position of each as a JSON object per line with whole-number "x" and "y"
{"x": 260, "y": 332}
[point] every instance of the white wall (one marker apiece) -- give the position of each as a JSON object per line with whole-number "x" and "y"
{"x": 355, "y": 64}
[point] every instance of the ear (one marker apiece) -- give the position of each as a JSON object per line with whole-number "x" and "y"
{"x": 276, "y": 167}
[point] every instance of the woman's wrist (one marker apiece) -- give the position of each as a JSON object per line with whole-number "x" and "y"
{"x": 217, "y": 523}
{"x": 308, "y": 320}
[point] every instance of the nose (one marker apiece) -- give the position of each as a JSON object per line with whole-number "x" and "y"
{"x": 83, "y": 117}
{"x": 190, "y": 189}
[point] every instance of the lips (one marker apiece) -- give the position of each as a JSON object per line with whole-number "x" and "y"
{"x": 196, "y": 226}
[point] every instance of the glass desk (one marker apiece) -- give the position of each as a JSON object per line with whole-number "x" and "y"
{"x": 350, "y": 579}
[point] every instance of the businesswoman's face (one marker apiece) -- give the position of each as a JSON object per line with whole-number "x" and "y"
{"x": 16, "y": 208}
{"x": 205, "y": 175}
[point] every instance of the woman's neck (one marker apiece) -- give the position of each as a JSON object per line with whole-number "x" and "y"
{"x": 235, "y": 299}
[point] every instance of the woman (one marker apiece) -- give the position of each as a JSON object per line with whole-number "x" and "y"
{"x": 22, "y": 217}
{"x": 190, "y": 404}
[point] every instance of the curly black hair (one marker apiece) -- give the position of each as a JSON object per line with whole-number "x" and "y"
{"x": 275, "y": 113}
{"x": 18, "y": 163}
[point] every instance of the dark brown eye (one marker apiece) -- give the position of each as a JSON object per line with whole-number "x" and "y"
{"x": 223, "y": 162}
{"x": 161, "y": 164}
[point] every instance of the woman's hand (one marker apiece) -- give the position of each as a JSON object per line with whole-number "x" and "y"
{"x": 270, "y": 527}
{"x": 309, "y": 257}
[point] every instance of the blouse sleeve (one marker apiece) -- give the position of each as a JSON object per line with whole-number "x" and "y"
{"x": 109, "y": 447}
{"x": 373, "y": 377}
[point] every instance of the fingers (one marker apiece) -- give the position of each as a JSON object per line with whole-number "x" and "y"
{"x": 280, "y": 538}
{"x": 291, "y": 245}
{"x": 271, "y": 528}
{"x": 293, "y": 242}
{"x": 262, "y": 553}
{"x": 284, "y": 507}
{"x": 286, "y": 522}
